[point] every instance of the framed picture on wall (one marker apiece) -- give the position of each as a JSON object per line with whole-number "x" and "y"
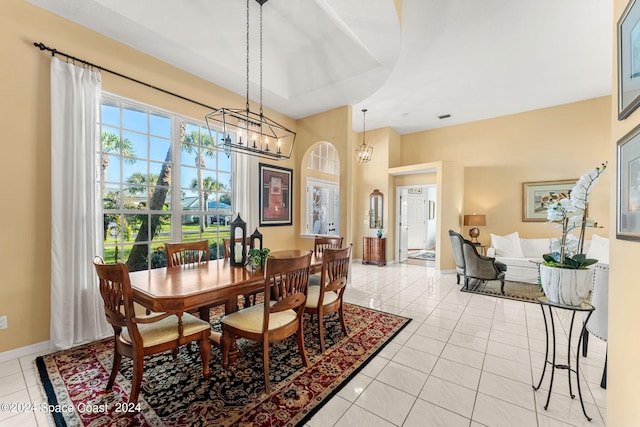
{"x": 276, "y": 191}
{"x": 629, "y": 60}
{"x": 628, "y": 186}
{"x": 537, "y": 195}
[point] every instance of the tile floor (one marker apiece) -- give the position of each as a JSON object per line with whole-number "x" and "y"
{"x": 464, "y": 360}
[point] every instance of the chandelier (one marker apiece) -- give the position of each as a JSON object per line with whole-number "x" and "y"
{"x": 364, "y": 151}
{"x": 246, "y": 131}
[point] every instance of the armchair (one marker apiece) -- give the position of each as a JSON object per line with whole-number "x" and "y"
{"x": 599, "y": 321}
{"x": 458, "y": 256}
{"x": 480, "y": 267}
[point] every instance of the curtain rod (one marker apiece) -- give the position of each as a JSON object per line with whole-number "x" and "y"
{"x": 55, "y": 52}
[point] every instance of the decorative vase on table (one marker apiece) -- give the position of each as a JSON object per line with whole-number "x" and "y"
{"x": 566, "y": 286}
{"x": 564, "y": 274}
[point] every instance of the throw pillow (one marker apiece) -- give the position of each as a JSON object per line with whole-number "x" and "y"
{"x": 507, "y": 246}
{"x": 599, "y": 249}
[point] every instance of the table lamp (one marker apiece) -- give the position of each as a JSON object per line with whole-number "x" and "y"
{"x": 474, "y": 221}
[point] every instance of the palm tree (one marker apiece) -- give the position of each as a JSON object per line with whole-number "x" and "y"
{"x": 208, "y": 186}
{"x": 138, "y": 257}
{"x": 201, "y": 145}
{"x": 111, "y": 143}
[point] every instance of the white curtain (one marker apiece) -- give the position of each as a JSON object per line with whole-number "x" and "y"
{"x": 245, "y": 192}
{"x": 76, "y": 306}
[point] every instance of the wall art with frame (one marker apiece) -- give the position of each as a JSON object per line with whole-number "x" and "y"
{"x": 537, "y": 195}
{"x": 628, "y": 60}
{"x": 628, "y": 186}
{"x": 276, "y": 192}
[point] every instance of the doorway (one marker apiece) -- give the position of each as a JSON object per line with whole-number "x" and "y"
{"x": 416, "y": 223}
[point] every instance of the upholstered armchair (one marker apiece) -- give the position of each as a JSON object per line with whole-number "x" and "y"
{"x": 480, "y": 267}
{"x": 599, "y": 321}
{"x": 458, "y": 256}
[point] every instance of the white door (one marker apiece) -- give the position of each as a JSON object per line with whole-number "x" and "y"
{"x": 323, "y": 207}
{"x": 417, "y": 220}
{"x": 403, "y": 225}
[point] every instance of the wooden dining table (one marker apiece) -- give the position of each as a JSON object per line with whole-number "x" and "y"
{"x": 187, "y": 288}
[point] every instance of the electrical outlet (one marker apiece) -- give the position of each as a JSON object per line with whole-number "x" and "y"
{"x": 3, "y": 322}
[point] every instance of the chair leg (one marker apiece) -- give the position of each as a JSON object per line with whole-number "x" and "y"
{"x": 342, "y": 322}
{"x": 205, "y": 354}
{"x": 321, "y": 332}
{"x": 502, "y": 286}
{"x": 585, "y": 342}
{"x": 137, "y": 378}
{"x": 603, "y": 382}
{"x": 457, "y": 278}
{"x": 265, "y": 365}
{"x": 300, "y": 338}
{"x": 117, "y": 358}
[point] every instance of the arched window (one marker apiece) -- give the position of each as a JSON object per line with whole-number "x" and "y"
{"x": 323, "y": 190}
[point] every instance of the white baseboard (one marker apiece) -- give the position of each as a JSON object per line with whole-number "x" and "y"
{"x": 24, "y": 351}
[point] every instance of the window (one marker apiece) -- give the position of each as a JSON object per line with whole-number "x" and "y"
{"x": 324, "y": 158}
{"x": 140, "y": 148}
{"x": 323, "y": 190}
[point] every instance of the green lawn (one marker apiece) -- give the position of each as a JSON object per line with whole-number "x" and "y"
{"x": 189, "y": 232}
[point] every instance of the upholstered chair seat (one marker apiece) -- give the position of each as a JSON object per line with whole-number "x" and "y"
{"x": 251, "y": 319}
{"x": 314, "y": 296}
{"x": 165, "y": 330}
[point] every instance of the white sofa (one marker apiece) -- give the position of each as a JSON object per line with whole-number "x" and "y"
{"x": 522, "y": 255}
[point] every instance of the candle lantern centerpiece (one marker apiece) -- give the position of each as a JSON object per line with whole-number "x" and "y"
{"x": 238, "y": 246}
{"x": 256, "y": 235}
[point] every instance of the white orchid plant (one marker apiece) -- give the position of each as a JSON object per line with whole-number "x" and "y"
{"x": 570, "y": 213}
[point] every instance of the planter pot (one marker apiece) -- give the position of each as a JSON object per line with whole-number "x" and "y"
{"x": 566, "y": 286}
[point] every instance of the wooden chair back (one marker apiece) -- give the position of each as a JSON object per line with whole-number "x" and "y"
{"x": 322, "y": 243}
{"x": 185, "y": 253}
{"x": 335, "y": 270}
{"x": 227, "y": 245}
{"x": 115, "y": 289}
{"x": 286, "y": 283}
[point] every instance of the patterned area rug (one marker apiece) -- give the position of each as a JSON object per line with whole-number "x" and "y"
{"x": 512, "y": 290}
{"x": 175, "y": 394}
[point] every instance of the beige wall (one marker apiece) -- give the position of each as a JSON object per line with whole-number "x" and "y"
{"x": 500, "y": 154}
{"x": 623, "y": 382}
{"x": 333, "y": 126}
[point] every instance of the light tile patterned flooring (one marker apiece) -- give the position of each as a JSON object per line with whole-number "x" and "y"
{"x": 464, "y": 360}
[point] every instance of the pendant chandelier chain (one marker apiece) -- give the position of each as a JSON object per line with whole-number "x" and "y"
{"x": 250, "y": 132}
{"x": 247, "y": 55}
{"x": 261, "y": 59}
{"x": 364, "y": 125}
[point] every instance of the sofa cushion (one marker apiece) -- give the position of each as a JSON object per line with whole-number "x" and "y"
{"x": 535, "y": 248}
{"x": 599, "y": 249}
{"x": 519, "y": 262}
{"x": 507, "y": 246}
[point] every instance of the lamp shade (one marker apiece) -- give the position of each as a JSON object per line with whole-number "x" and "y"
{"x": 475, "y": 220}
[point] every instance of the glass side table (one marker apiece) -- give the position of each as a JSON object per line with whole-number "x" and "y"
{"x": 584, "y": 307}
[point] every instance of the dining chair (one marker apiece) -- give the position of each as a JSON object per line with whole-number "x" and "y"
{"x": 250, "y": 298}
{"x": 328, "y": 297}
{"x": 279, "y": 316}
{"x": 319, "y": 245}
{"x": 184, "y": 254}
{"x": 322, "y": 243}
{"x": 138, "y": 336}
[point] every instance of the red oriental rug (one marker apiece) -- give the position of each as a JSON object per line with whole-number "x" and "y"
{"x": 175, "y": 394}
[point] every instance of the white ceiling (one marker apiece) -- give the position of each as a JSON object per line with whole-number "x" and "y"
{"x": 468, "y": 58}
